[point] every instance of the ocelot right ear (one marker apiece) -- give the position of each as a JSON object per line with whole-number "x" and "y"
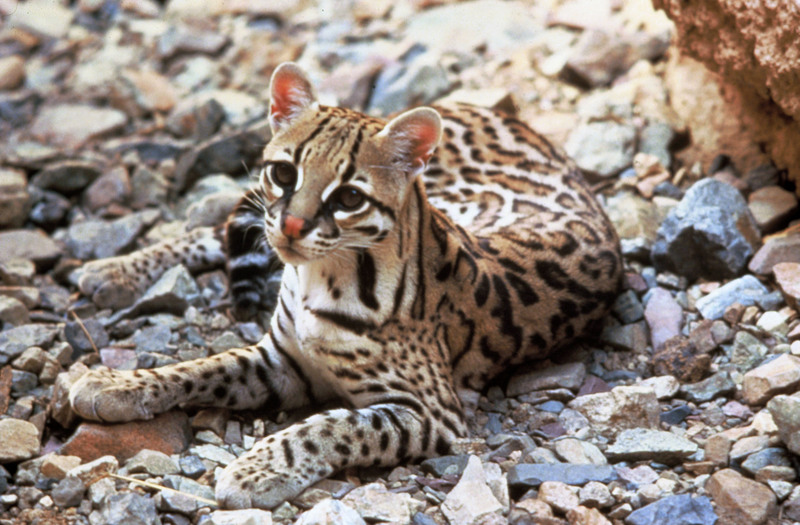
{"x": 290, "y": 93}
{"x": 413, "y": 136}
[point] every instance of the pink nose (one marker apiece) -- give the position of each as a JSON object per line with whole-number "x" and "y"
{"x": 293, "y": 227}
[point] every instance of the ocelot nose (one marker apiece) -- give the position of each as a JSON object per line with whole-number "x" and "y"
{"x": 294, "y": 227}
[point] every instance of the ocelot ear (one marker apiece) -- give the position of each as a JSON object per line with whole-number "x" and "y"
{"x": 290, "y": 93}
{"x": 413, "y": 136}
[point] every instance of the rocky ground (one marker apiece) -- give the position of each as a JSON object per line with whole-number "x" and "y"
{"x": 123, "y": 122}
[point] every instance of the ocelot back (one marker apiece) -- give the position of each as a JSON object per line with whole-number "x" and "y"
{"x": 411, "y": 272}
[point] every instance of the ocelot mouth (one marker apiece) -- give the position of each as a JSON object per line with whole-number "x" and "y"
{"x": 289, "y": 254}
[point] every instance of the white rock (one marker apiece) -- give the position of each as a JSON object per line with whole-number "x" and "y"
{"x": 471, "y": 498}
{"x": 374, "y": 503}
{"x": 240, "y": 517}
{"x": 665, "y": 387}
{"x": 330, "y": 512}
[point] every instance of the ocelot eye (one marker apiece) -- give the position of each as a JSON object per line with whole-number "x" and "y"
{"x": 348, "y": 198}
{"x": 284, "y": 174}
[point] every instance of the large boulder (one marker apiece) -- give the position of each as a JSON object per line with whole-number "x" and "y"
{"x": 751, "y": 49}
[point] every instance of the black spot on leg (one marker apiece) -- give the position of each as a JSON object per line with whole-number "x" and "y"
{"x": 384, "y": 444}
{"x": 220, "y": 392}
{"x": 442, "y": 448}
{"x": 310, "y": 447}
{"x": 364, "y": 449}
{"x": 287, "y": 452}
{"x": 342, "y": 449}
{"x": 188, "y": 386}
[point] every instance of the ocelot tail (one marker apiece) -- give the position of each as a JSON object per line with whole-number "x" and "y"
{"x": 421, "y": 257}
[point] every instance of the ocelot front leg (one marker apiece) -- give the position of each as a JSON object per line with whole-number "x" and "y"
{"x": 257, "y": 376}
{"x": 116, "y": 282}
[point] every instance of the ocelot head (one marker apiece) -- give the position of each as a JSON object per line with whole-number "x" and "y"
{"x": 333, "y": 179}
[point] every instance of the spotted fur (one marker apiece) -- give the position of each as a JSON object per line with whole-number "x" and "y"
{"x": 411, "y": 274}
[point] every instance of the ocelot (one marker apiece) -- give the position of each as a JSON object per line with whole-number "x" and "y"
{"x": 421, "y": 257}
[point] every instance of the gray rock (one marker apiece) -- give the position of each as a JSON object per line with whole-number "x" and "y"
{"x": 719, "y": 384}
{"x": 22, "y": 382}
{"x": 78, "y": 340}
{"x": 113, "y": 186}
{"x": 49, "y": 209}
{"x": 527, "y": 475}
{"x": 763, "y": 458}
{"x": 198, "y": 121}
{"x": 67, "y": 177}
{"x": 189, "y": 486}
{"x": 148, "y": 188}
{"x": 13, "y": 311}
{"x": 443, "y": 465}
{"x": 153, "y": 339}
{"x": 168, "y": 501}
{"x": 174, "y": 291}
{"x": 129, "y": 509}
{"x": 595, "y": 494}
{"x": 182, "y": 39}
{"x": 192, "y": 466}
{"x": 16, "y": 340}
{"x": 747, "y": 351}
{"x": 29, "y": 244}
{"x": 69, "y": 492}
{"x": 96, "y": 239}
{"x": 785, "y": 411}
{"x": 711, "y": 233}
{"x": 214, "y": 453}
{"x": 152, "y": 462}
{"x": 621, "y": 408}
{"x": 399, "y": 86}
{"x": 602, "y": 148}
{"x": 746, "y": 290}
{"x": 570, "y": 376}
{"x": 655, "y": 139}
{"x": 675, "y": 510}
{"x": 653, "y": 445}
{"x": 229, "y": 154}
{"x": 628, "y": 308}
{"x": 631, "y": 337}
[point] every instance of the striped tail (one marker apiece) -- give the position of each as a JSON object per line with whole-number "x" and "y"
{"x": 254, "y": 270}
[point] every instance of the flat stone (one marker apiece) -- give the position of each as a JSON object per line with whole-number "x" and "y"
{"x": 20, "y": 440}
{"x": 73, "y": 125}
{"x": 14, "y": 197}
{"x": 12, "y": 72}
{"x": 767, "y": 457}
{"x": 113, "y": 186}
{"x": 67, "y": 177}
{"x": 174, "y": 291}
{"x": 151, "y": 462}
{"x": 328, "y": 511}
{"x": 29, "y": 244}
{"x": 622, "y": 408}
{"x": 375, "y": 503}
{"x": 558, "y": 495}
{"x": 130, "y": 508}
{"x": 740, "y": 501}
{"x": 15, "y": 341}
{"x": 56, "y": 467}
{"x": 68, "y": 492}
{"x": 444, "y": 465}
{"x": 665, "y": 387}
{"x": 675, "y": 510}
{"x": 719, "y": 384}
{"x": 785, "y": 248}
{"x": 570, "y": 376}
{"x": 711, "y": 234}
{"x": 771, "y": 207}
{"x": 13, "y": 311}
{"x": 531, "y": 475}
{"x": 746, "y": 446}
{"x": 631, "y": 337}
{"x": 42, "y": 18}
{"x": 580, "y": 452}
{"x": 779, "y": 376}
{"x": 97, "y": 239}
{"x": 168, "y": 433}
{"x": 787, "y": 276}
{"x": 602, "y": 148}
{"x": 652, "y": 445}
{"x": 785, "y": 411}
{"x": 746, "y": 291}
{"x": 664, "y": 317}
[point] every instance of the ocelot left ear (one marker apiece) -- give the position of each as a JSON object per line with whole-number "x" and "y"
{"x": 414, "y": 135}
{"x": 290, "y": 93}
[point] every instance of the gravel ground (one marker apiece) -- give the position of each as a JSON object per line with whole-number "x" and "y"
{"x": 126, "y": 122}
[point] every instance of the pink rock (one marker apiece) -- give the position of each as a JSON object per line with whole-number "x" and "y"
{"x": 787, "y": 275}
{"x": 168, "y": 433}
{"x": 664, "y": 317}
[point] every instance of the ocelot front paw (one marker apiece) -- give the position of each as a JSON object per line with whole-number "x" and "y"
{"x": 260, "y": 479}
{"x": 111, "y": 283}
{"x": 112, "y": 396}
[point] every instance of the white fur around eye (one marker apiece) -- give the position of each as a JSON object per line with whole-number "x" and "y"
{"x": 274, "y": 188}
